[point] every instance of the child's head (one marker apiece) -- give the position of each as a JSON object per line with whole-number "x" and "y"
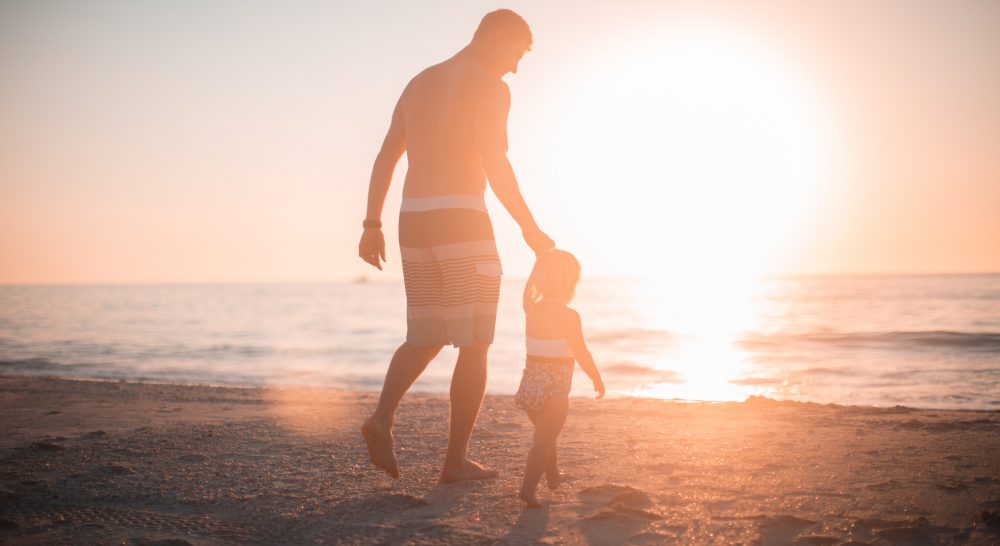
{"x": 553, "y": 278}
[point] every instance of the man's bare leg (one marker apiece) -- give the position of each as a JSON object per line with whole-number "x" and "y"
{"x": 468, "y": 385}
{"x": 408, "y": 362}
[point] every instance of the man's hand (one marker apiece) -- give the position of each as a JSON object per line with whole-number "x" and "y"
{"x": 538, "y": 241}
{"x": 372, "y": 247}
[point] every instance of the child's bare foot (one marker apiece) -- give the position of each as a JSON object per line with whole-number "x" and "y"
{"x": 471, "y": 470}
{"x": 529, "y": 499}
{"x": 554, "y": 480}
{"x": 380, "y": 446}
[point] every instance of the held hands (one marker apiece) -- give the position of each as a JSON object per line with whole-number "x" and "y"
{"x": 538, "y": 241}
{"x": 599, "y": 388}
{"x": 372, "y": 247}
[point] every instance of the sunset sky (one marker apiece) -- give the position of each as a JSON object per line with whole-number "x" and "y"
{"x": 232, "y": 141}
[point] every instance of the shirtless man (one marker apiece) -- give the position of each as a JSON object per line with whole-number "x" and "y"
{"x": 451, "y": 120}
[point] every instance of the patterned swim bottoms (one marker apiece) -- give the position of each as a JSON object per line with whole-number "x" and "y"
{"x": 451, "y": 270}
{"x": 541, "y": 382}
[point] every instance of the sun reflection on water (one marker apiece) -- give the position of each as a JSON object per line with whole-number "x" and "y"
{"x": 708, "y": 314}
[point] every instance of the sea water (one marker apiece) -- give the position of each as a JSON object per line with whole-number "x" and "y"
{"x": 922, "y": 341}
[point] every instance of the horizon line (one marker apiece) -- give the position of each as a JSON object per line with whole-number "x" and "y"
{"x": 365, "y": 279}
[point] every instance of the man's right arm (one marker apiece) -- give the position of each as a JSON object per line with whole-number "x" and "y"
{"x": 372, "y": 246}
{"x": 491, "y": 141}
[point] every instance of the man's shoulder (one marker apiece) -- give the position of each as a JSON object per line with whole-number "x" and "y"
{"x": 497, "y": 86}
{"x": 469, "y": 73}
{"x": 492, "y": 89}
{"x": 464, "y": 77}
{"x": 484, "y": 78}
{"x": 422, "y": 76}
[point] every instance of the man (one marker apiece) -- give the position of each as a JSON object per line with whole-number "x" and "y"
{"x": 451, "y": 120}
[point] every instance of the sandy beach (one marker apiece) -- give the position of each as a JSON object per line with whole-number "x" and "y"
{"x": 87, "y": 462}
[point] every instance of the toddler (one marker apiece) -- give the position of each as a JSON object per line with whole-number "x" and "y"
{"x": 554, "y": 342}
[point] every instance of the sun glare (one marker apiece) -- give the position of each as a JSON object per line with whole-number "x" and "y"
{"x": 701, "y": 151}
{"x": 705, "y": 315}
{"x": 695, "y": 157}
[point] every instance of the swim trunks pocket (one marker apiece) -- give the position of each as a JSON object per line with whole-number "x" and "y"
{"x": 489, "y": 269}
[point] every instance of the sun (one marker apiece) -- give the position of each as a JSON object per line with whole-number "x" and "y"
{"x": 697, "y": 151}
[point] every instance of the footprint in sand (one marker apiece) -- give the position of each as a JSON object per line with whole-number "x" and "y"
{"x": 394, "y": 502}
{"x": 618, "y": 502}
{"x": 782, "y": 529}
{"x": 620, "y": 514}
{"x": 375, "y": 508}
{"x": 604, "y": 492}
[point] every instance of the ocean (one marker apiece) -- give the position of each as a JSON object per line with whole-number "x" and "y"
{"x": 929, "y": 341}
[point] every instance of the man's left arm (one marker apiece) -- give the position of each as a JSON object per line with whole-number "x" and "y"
{"x": 491, "y": 141}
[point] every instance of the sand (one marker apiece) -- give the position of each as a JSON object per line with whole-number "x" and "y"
{"x": 85, "y": 462}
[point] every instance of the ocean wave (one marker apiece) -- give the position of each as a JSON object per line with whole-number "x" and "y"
{"x": 638, "y": 371}
{"x": 632, "y": 336}
{"x": 38, "y": 365}
{"x": 278, "y": 377}
{"x": 970, "y": 341}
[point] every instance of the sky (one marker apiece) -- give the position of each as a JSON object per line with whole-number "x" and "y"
{"x": 232, "y": 141}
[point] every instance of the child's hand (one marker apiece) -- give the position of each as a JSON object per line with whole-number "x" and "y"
{"x": 599, "y": 388}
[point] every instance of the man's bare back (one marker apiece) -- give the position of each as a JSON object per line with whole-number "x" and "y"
{"x": 450, "y": 112}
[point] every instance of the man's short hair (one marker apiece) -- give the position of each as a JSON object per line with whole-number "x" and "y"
{"x": 503, "y": 21}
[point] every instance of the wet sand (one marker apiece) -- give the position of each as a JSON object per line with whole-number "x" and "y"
{"x": 85, "y": 462}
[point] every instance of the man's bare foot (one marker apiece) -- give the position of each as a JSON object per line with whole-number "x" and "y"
{"x": 380, "y": 447}
{"x": 555, "y": 480}
{"x": 529, "y": 499}
{"x": 471, "y": 470}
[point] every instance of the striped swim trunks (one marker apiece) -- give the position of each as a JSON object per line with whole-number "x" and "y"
{"x": 451, "y": 270}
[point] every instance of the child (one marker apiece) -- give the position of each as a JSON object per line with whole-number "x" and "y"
{"x": 554, "y": 342}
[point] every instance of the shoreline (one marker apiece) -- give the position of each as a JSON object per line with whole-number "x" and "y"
{"x": 418, "y": 392}
{"x": 117, "y": 461}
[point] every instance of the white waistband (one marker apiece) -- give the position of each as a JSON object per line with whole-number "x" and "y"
{"x": 557, "y": 348}
{"x": 423, "y": 204}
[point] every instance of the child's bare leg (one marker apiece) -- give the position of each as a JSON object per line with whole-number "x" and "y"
{"x": 548, "y": 425}
{"x": 552, "y": 476}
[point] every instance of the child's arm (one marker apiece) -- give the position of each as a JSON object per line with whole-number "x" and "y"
{"x": 580, "y": 352}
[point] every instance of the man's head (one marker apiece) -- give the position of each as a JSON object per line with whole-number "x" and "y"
{"x": 504, "y": 37}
